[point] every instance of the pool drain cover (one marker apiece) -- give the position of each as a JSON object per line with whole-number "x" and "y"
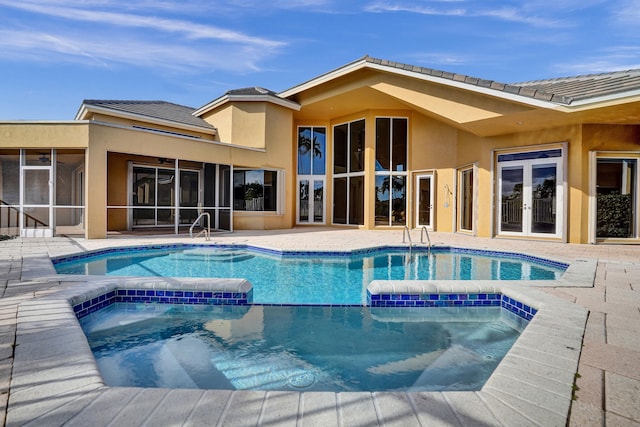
{"x": 303, "y": 380}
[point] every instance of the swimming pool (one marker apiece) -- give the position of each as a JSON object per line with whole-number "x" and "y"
{"x": 311, "y": 348}
{"x": 333, "y": 278}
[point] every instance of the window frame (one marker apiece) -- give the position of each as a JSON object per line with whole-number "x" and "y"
{"x": 276, "y": 185}
{"x": 392, "y": 173}
{"x": 473, "y": 168}
{"x": 349, "y": 175}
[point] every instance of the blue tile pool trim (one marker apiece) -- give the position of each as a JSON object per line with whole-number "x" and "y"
{"x": 279, "y": 253}
{"x": 452, "y": 300}
{"x": 162, "y": 297}
{"x": 147, "y": 296}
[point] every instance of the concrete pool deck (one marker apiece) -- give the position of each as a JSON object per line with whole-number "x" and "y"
{"x": 607, "y": 385}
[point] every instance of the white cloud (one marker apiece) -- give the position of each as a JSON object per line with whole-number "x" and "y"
{"x": 521, "y": 14}
{"x": 98, "y": 51}
{"x": 190, "y": 30}
{"x": 628, "y": 12}
{"x": 383, "y": 6}
{"x": 611, "y": 59}
{"x": 127, "y": 38}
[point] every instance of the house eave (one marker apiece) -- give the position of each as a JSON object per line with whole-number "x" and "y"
{"x": 364, "y": 63}
{"x": 604, "y": 99}
{"x": 84, "y": 110}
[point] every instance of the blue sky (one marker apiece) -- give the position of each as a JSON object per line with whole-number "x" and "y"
{"x": 55, "y": 53}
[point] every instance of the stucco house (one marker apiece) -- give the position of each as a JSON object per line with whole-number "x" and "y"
{"x": 372, "y": 144}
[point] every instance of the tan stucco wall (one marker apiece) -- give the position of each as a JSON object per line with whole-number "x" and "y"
{"x": 477, "y": 150}
{"x": 434, "y": 149}
{"x": 44, "y": 135}
{"x": 244, "y": 123}
{"x": 123, "y": 143}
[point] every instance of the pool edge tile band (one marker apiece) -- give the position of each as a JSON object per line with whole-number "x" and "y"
{"x": 83, "y": 307}
{"x": 291, "y": 253}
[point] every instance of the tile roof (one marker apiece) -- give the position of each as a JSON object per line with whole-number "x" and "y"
{"x": 560, "y": 91}
{"x": 252, "y": 91}
{"x": 589, "y": 86}
{"x": 156, "y": 109}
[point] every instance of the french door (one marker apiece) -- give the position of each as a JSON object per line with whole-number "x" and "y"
{"x": 424, "y": 201}
{"x": 530, "y": 197}
{"x": 310, "y": 200}
{"x": 311, "y": 175}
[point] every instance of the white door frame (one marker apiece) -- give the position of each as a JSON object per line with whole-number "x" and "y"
{"x": 431, "y": 177}
{"x": 527, "y": 196}
{"x": 35, "y": 232}
{"x": 312, "y": 179}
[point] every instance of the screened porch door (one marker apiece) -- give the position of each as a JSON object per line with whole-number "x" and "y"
{"x": 36, "y": 200}
{"x": 530, "y": 198}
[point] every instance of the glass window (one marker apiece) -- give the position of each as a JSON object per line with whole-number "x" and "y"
{"x": 399, "y": 200}
{"x": 305, "y": 149}
{"x": 9, "y": 177}
{"x": 399, "y": 148}
{"x": 225, "y": 183}
{"x": 144, "y": 187}
{"x": 466, "y": 200}
{"x": 303, "y": 197}
{"x": 383, "y": 147}
{"x": 319, "y": 147}
{"x": 356, "y": 200}
{"x": 311, "y": 173}
{"x": 391, "y": 165}
{"x": 356, "y": 135}
{"x": 255, "y": 190}
{"x": 348, "y": 194}
{"x": 340, "y": 149}
{"x": 616, "y": 197}
{"x": 340, "y": 200}
{"x": 382, "y": 200}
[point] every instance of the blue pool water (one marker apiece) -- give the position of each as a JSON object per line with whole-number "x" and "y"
{"x": 309, "y": 279}
{"x": 299, "y": 348}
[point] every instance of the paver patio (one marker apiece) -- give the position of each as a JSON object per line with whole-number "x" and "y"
{"x": 607, "y": 385}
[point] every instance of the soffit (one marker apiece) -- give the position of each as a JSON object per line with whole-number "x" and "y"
{"x": 478, "y": 113}
{"x": 368, "y": 89}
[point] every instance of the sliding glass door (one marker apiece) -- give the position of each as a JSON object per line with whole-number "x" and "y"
{"x": 617, "y": 198}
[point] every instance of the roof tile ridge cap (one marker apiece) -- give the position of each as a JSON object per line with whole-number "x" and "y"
{"x": 513, "y": 88}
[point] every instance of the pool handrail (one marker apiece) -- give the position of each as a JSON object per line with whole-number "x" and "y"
{"x": 205, "y": 231}
{"x": 422, "y": 233}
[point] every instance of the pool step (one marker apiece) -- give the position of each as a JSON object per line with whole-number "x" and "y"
{"x": 277, "y": 372}
{"x": 217, "y": 255}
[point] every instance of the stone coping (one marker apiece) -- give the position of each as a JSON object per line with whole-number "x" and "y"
{"x": 56, "y": 380}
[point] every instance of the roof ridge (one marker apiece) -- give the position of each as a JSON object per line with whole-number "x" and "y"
{"x": 135, "y": 101}
{"x": 153, "y": 109}
{"x": 513, "y": 88}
